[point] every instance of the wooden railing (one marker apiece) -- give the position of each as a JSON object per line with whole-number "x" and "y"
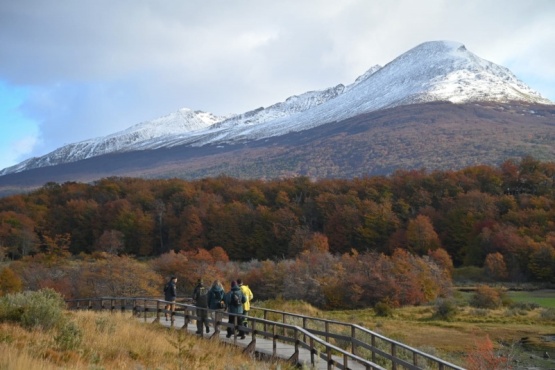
{"x": 337, "y": 343}
{"x": 360, "y": 341}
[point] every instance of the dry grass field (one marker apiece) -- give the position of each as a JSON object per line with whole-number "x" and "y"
{"x": 93, "y": 340}
{"x": 110, "y": 341}
{"x": 523, "y": 335}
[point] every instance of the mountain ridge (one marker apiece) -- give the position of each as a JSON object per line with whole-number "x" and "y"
{"x": 431, "y": 71}
{"x": 435, "y": 107}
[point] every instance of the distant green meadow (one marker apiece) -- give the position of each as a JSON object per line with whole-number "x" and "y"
{"x": 544, "y": 298}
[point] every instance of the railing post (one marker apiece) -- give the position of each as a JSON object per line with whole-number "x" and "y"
{"x": 373, "y": 340}
{"x": 394, "y": 356}
{"x": 157, "y": 311}
{"x": 327, "y": 326}
{"x": 305, "y": 327}
{"x": 144, "y": 309}
{"x": 172, "y": 318}
{"x": 274, "y": 342}
{"x": 217, "y": 318}
{"x": 295, "y": 357}
{"x": 312, "y": 350}
{"x": 415, "y": 359}
{"x": 330, "y": 360}
{"x": 283, "y": 320}
{"x": 353, "y": 346}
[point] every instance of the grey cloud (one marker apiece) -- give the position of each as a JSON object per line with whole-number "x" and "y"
{"x": 101, "y": 66}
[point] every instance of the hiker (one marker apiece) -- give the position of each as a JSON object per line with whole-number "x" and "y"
{"x": 170, "y": 295}
{"x": 234, "y": 300}
{"x": 200, "y": 298}
{"x": 216, "y": 296}
{"x": 249, "y": 296}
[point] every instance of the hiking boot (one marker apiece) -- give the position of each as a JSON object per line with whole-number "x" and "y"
{"x": 242, "y": 336}
{"x": 207, "y": 329}
{"x": 228, "y": 335}
{"x": 198, "y": 332}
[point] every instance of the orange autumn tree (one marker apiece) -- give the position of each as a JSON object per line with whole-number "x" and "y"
{"x": 421, "y": 236}
{"x": 495, "y": 266}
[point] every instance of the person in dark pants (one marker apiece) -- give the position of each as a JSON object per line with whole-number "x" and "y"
{"x": 170, "y": 295}
{"x": 200, "y": 297}
{"x": 234, "y": 299}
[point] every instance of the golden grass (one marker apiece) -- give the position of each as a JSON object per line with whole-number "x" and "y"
{"x": 111, "y": 341}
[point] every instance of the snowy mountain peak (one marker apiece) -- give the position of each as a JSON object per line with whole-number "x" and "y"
{"x": 447, "y": 71}
{"x": 431, "y": 71}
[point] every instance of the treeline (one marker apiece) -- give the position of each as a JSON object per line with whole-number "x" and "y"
{"x": 316, "y": 276}
{"x": 500, "y": 218}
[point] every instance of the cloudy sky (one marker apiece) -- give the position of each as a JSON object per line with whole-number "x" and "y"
{"x": 71, "y": 70}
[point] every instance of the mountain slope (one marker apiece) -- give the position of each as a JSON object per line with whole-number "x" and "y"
{"x": 432, "y": 71}
{"x": 434, "y": 136}
{"x": 184, "y": 120}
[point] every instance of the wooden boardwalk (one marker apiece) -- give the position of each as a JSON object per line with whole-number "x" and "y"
{"x": 313, "y": 342}
{"x": 262, "y": 346}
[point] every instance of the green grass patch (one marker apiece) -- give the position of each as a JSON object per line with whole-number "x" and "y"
{"x": 544, "y": 298}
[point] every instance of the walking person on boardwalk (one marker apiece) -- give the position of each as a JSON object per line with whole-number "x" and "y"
{"x": 216, "y": 296}
{"x": 249, "y": 296}
{"x": 170, "y": 295}
{"x": 234, "y": 300}
{"x": 200, "y": 298}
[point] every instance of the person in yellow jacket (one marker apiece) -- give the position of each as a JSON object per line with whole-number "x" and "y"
{"x": 249, "y": 296}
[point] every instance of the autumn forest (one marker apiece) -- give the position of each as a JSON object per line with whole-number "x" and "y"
{"x": 390, "y": 238}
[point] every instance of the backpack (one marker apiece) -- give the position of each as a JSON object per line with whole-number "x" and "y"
{"x": 235, "y": 300}
{"x": 167, "y": 288}
{"x": 202, "y": 297}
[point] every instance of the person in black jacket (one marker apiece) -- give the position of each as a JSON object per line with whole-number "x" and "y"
{"x": 170, "y": 295}
{"x": 200, "y": 297}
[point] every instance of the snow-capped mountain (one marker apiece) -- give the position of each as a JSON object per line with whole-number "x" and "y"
{"x": 184, "y": 120}
{"x": 432, "y": 71}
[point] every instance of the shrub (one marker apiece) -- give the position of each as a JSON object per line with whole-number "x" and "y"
{"x": 484, "y": 356}
{"x": 383, "y": 309}
{"x": 9, "y": 282}
{"x": 445, "y": 309}
{"x": 487, "y": 297}
{"x": 69, "y": 337}
{"x": 41, "y": 309}
{"x": 548, "y": 314}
